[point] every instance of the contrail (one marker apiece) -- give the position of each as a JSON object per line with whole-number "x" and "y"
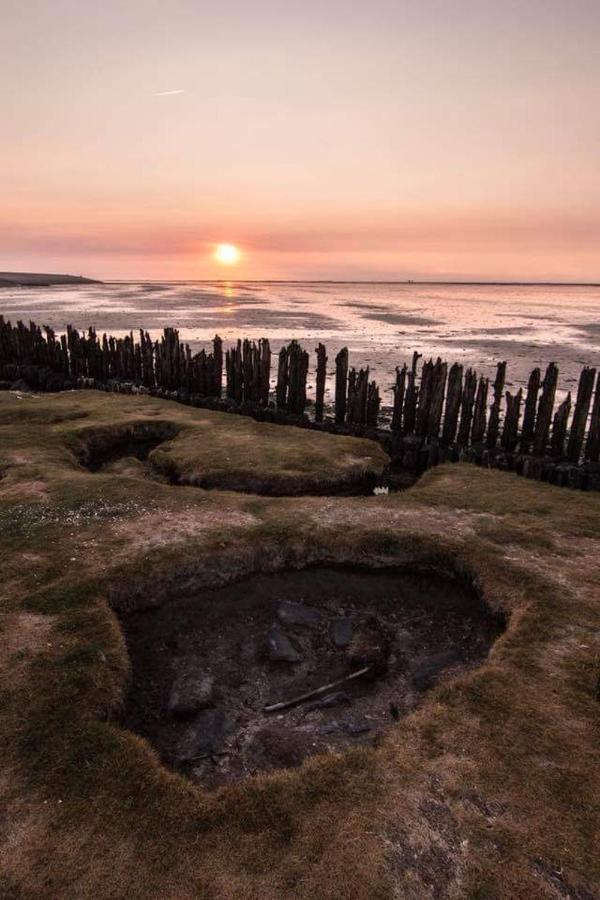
{"x": 168, "y": 93}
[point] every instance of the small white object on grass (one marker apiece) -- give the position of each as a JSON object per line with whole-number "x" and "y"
{"x": 381, "y": 490}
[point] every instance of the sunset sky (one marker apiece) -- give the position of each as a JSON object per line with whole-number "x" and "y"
{"x": 388, "y": 139}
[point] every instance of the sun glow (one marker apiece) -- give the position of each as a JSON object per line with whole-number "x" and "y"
{"x": 227, "y": 254}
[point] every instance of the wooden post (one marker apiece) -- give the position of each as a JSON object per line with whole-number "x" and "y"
{"x": 281, "y": 390}
{"x": 494, "y": 420}
{"x": 265, "y": 371}
{"x": 217, "y": 385}
{"x": 546, "y": 406}
{"x": 341, "y": 378}
{"x": 373, "y": 404}
{"x": 351, "y": 400}
{"x": 580, "y": 414}
{"x": 529, "y": 415}
{"x": 399, "y": 397}
{"x": 454, "y": 396}
{"x": 320, "y": 381}
{"x": 410, "y": 402}
{"x": 438, "y": 387}
{"x": 466, "y": 408}
{"x": 479, "y": 412}
{"x": 592, "y": 447}
{"x": 559, "y": 428}
{"x": 424, "y": 399}
{"x": 510, "y": 430}
{"x": 362, "y": 387}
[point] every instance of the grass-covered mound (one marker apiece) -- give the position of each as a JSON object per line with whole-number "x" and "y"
{"x": 489, "y": 790}
{"x": 189, "y": 446}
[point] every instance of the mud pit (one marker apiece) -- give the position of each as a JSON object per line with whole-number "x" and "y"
{"x": 204, "y": 668}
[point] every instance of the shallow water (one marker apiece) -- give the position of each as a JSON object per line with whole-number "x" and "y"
{"x": 382, "y": 324}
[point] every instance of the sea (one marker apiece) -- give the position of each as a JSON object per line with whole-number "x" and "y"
{"x": 382, "y": 325}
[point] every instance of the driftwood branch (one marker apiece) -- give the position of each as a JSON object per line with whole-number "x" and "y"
{"x": 285, "y": 704}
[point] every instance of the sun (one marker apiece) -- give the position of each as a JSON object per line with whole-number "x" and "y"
{"x": 227, "y": 254}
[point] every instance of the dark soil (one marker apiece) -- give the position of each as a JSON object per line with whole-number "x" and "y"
{"x": 232, "y": 651}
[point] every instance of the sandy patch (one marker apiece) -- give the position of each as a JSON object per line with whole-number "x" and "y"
{"x": 157, "y": 529}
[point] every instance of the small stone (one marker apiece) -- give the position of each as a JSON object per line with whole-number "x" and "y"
{"x": 356, "y": 727}
{"x": 279, "y": 648}
{"x": 203, "y": 736}
{"x": 193, "y": 689}
{"x": 290, "y": 613}
{"x": 341, "y": 631}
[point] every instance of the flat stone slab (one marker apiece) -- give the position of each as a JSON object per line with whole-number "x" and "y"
{"x": 290, "y": 613}
{"x": 341, "y": 631}
{"x": 279, "y": 648}
{"x": 193, "y": 689}
{"x": 203, "y": 737}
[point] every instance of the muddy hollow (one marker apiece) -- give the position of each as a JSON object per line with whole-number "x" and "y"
{"x": 206, "y": 669}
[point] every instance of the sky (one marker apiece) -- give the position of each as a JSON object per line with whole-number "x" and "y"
{"x": 327, "y": 139}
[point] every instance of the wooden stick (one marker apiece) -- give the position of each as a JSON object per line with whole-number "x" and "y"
{"x": 274, "y": 707}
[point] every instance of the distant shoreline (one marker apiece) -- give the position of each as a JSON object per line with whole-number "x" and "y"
{"x": 594, "y": 284}
{"x": 36, "y": 279}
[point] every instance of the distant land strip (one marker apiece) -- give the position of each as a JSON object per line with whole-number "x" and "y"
{"x": 32, "y": 279}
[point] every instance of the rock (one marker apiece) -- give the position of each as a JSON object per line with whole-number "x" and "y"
{"x": 424, "y": 675}
{"x": 341, "y": 631}
{"x": 279, "y": 648}
{"x": 356, "y": 727}
{"x": 193, "y": 689}
{"x": 298, "y": 614}
{"x": 204, "y": 735}
{"x": 334, "y": 699}
{"x": 329, "y": 728}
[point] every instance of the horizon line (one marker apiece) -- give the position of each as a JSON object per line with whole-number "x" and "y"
{"x": 350, "y": 281}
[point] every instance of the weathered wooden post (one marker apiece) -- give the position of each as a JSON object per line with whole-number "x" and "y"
{"x": 529, "y": 415}
{"x": 438, "y": 387}
{"x": 454, "y": 396}
{"x": 410, "y": 402}
{"x": 510, "y": 430}
{"x": 580, "y": 414}
{"x": 494, "y": 420}
{"x": 320, "y": 382}
{"x": 298, "y": 371}
{"x": 592, "y": 447}
{"x": 559, "y": 428}
{"x": 341, "y": 379}
{"x": 479, "y": 411}
{"x": 373, "y": 404}
{"x": 283, "y": 374}
{"x": 217, "y": 385}
{"x": 265, "y": 371}
{"x": 546, "y": 406}
{"x": 351, "y": 400}
{"x": 424, "y": 399}
{"x": 399, "y": 388}
{"x": 466, "y": 408}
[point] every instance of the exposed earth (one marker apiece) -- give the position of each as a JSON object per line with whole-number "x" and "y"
{"x": 204, "y": 668}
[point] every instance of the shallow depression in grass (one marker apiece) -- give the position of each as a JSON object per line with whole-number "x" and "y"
{"x": 207, "y": 669}
{"x": 162, "y": 450}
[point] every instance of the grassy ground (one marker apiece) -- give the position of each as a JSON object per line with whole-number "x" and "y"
{"x": 491, "y": 789}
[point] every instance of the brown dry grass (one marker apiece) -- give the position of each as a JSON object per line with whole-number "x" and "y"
{"x": 491, "y": 789}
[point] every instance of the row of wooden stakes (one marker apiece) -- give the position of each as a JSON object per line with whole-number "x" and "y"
{"x": 439, "y": 403}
